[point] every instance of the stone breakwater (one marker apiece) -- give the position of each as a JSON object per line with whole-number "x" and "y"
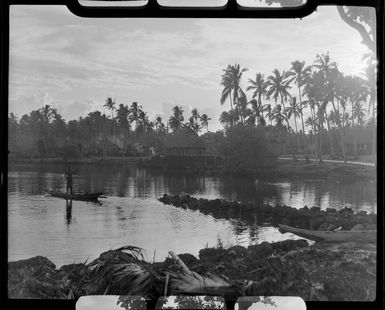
{"x": 251, "y": 212}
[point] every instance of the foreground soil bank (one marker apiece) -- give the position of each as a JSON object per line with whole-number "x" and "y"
{"x": 289, "y": 268}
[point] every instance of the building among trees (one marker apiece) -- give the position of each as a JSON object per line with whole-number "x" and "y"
{"x": 185, "y": 142}
{"x": 359, "y": 142}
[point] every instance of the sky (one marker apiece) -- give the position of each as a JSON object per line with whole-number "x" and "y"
{"x": 74, "y": 64}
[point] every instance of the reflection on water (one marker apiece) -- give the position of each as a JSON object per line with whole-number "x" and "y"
{"x": 141, "y": 183}
{"x": 69, "y": 232}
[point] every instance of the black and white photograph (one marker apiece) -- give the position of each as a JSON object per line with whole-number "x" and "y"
{"x": 228, "y": 157}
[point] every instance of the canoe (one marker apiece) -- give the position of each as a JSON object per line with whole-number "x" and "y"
{"x": 77, "y": 196}
{"x": 332, "y": 236}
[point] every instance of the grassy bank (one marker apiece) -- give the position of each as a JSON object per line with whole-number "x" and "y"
{"x": 324, "y": 170}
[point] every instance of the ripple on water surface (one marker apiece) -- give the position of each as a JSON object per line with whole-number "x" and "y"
{"x": 131, "y": 215}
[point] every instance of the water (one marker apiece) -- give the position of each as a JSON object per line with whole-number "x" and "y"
{"x": 131, "y": 215}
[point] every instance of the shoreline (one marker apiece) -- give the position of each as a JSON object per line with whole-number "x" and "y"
{"x": 320, "y": 272}
{"x": 286, "y": 168}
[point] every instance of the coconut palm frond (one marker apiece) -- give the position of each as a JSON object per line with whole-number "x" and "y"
{"x": 132, "y": 279}
{"x": 121, "y": 279}
{"x": 194, "y": 283}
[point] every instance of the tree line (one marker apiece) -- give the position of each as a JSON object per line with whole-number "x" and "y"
{"x": 321, "y": 102}
{"x": 128, "y": 126}
{"x": 334, "y": 102}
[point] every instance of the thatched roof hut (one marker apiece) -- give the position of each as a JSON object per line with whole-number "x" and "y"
{"x": 185, "y": 142}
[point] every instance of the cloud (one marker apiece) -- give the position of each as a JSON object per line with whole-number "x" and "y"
{"x": 154, "y": 61}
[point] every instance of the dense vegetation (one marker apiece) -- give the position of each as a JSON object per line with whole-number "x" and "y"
{"x": 336, "y": 104}
{"x": 271, "y": 122}
{"x": 127, "y": 130}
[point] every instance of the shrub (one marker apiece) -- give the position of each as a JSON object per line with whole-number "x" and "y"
{"x": 70, "y": 151}
{"x": 247, "y": 150}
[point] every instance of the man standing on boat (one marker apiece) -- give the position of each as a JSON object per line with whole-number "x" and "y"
{"x": 68, "y": 176}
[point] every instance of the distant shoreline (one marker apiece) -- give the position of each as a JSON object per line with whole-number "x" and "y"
{"x": 286, "y": 168}
{"x": 81, "y": 161}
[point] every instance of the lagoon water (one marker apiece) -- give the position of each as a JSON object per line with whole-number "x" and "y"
{"x": 131, "y": 215}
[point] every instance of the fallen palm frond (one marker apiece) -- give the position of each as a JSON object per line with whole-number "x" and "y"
{"x": 190, "y": 282}
{"x": 125, "y": 254}
{"x": 121, "y": 271}
{"x": 194, "y": 283}
{"x": 269, "y": 269}
{"x": 130, "y": 279}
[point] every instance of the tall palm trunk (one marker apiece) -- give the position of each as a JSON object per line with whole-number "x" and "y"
{"x": 285, "y": 113}
{"x": 319, "y": 140}
{"x": 312, "y": 112}
{"x": 232, "y": 111}
{"x": 301, "y": 110}
{"x": 300, "y": 104}
{"x": 355, "y": 132}
{"x": 296, "y": 133}
{"x": 330, "y": 136}
{"x": 342, "y": 135}
{"x": 113, "y": 126}
{"x": 374, "y": 141}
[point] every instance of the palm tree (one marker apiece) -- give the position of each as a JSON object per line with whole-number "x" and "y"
{"x": 315, "y": 92}
{"x": 356, "y": 92}
{"x": 260, "y": 87}
{"x": 333, "y": 89}
{"x": 312, "y": 123}
{"x": 231, "y": 81}
{"x": 242, "y": 110}
{"x": 294, "y": 110}
{"x": 122, "y": 117}
{"x": 324, "y": 64}
{"x": 159, "y": 126}
{"x": 371, "y": 84}
{"x": 269, "y": 113}
{"x": 336, "y": 86}
{"x": 59, "y": 127}
{"x": 227, "y": 89}
{"x": 134, "y": 116}
{"x": 358, "y": 113}
{"x": 277, "y": 115}
{"x": 176, "y": 120}
{"x": 205, "y": 121}
{"x": 299, "y": 73}
{"x": 194, "y": 121}
{"x": 110, "y": 105}
{"x": 227, "y": 118}
{"x": 46, "y": 114}
{"x": 279, "y": 86}
{"x": 144, "y": 121}
{"x": 134, "y": 112}
{"x": 256, "y": 113}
